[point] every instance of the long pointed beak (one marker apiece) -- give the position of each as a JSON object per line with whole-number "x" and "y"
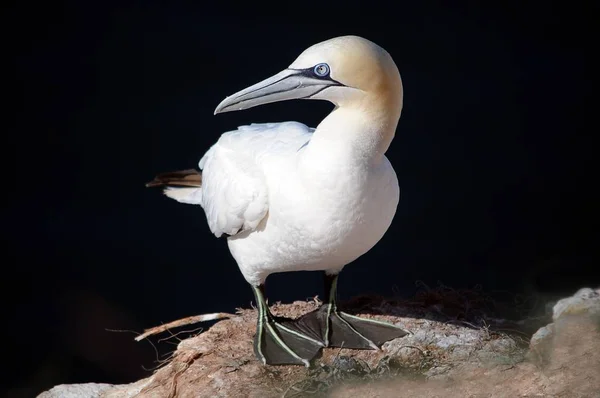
{"x": 286, "y": 85}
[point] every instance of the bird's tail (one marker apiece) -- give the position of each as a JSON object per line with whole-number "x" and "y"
{"x": 183, "y": 178}
{"x": 183, "y": 186}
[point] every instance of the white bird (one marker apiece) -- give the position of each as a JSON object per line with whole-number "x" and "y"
{"x": 293, "y": 198}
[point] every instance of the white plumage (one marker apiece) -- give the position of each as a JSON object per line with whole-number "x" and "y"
{"x": 294, "y": 198}
{"x": 317, "y": 217}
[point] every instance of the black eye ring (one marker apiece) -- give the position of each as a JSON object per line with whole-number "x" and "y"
{"x": 321, "y": 70}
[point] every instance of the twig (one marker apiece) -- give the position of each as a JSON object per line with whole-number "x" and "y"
{"x": 190, "y": 320}
{"x": 174, "y": 335}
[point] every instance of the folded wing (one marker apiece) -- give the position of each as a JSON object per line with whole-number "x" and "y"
{"x": 232, "y": 188}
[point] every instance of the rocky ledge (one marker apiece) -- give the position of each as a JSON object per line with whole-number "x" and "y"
{"x": 457, "y": 346}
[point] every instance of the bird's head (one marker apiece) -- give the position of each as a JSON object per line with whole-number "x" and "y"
{"x": 348, "y": 71}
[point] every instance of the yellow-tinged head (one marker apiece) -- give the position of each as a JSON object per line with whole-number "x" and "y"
{"x": 348, "y": 71}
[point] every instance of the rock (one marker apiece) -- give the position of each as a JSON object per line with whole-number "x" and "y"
{"x": 540, "y": 344}
{"x": 442, "y": 356}
{"x": 88, "y": 390}
{"x": 585, "y": 301}
{"x": 583, "y": 306}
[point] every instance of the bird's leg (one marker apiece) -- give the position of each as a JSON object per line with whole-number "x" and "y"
{"x": 280, "y": 342}
{"x": 350, "y": 331}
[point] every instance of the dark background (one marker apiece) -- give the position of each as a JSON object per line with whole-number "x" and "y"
{"x": 493, "y": 153}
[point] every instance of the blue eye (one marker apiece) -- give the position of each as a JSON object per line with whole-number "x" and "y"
{"x": 321, "y": 70}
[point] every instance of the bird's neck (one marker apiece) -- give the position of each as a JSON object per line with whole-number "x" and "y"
{"x": 355, "y": 133}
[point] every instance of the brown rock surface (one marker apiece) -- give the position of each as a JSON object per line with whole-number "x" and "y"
{"x": 454, "y": 349}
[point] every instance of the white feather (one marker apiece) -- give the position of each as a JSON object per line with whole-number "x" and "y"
{"x": 234, "y": 191}
{"x": 192, "y": 196}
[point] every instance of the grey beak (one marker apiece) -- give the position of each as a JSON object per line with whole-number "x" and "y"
{"x": 286, "y": 85}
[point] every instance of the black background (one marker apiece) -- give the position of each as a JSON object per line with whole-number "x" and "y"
{"x": 494, "y": 154}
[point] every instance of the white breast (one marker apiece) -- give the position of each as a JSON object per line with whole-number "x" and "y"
{"x": 317, "y": 221}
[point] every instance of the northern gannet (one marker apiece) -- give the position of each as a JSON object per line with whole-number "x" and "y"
{"x": 294, "y": 198}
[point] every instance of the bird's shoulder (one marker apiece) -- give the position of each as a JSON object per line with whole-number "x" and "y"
{"x": 264, "y": 138}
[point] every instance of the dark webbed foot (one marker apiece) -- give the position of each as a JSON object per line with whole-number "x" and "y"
{"x": 339, "y": 329}
{"x": 296, "y": 342}
{"x": 351, "y": 331}
{"x": 281, "y": 342}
